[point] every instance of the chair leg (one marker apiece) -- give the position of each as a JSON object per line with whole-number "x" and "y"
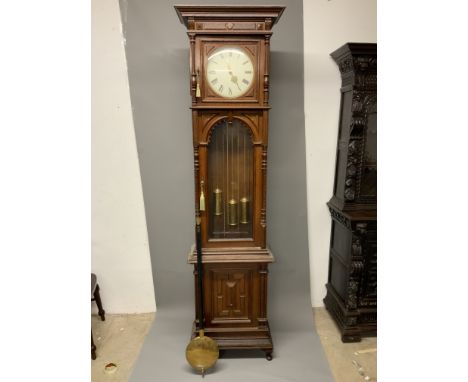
{"x": 93, "y": 347}
{"x": 97, "y": 298}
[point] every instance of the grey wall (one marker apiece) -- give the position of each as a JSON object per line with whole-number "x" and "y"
{"x": 157, "y": 56}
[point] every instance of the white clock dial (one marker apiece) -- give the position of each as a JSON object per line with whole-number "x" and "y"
{"x": 230, "y": 72}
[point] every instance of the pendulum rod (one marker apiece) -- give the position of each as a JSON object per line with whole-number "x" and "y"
{"x": 238, "y": 165}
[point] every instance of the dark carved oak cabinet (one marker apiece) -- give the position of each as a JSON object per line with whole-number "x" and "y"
{"x": 229, "y": 86}
{"x": 351, "y": 295}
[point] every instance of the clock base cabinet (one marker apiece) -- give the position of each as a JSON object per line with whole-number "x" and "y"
{"x": 235, "y": 304}
{"x": 351, "y": 297}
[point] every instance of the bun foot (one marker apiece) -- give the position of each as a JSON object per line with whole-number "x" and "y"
{"x": 350, "y": 338}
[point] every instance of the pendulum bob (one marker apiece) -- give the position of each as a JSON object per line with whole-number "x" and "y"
{"x": 244, "y": 211}
{"x": 232, "y": 212}
{"x": 218, "y": 199}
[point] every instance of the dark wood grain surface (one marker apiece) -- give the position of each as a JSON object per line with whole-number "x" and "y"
{"x": 351, "y": 295}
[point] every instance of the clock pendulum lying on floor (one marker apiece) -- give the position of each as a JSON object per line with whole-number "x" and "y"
{"x": 229, "y": 85}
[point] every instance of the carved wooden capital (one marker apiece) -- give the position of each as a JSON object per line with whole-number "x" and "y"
{"x": 358, "y": 65}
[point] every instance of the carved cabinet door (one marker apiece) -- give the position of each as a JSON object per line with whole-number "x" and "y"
{"x": 231, "y": 294}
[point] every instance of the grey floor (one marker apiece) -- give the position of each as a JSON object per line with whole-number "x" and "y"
{"x": 120, "y": 339}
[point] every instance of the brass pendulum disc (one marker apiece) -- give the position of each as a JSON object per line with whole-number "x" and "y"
{"x": 202, "y": 353}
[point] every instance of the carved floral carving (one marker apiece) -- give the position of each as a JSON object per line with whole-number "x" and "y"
{"x": 346, "y": 65}
{"x": 356, "y": 248}
{"x": 353, "y": 287}
{"x": 362, "y": 103}
{"x": 361, "y": 228}
{"x": 349, "y": 193}
{"x": 358, "y": 64}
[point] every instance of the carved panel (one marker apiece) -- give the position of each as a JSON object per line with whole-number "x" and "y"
{"x": 369, "y": 274}
{"x": 231, "y": 294}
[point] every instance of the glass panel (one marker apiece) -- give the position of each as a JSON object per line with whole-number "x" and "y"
{"x": 230, "y": 188}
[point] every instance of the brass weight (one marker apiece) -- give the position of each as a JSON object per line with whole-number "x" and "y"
{"x": 244, "y": 211}
{"x": 232, "y": 212}
{"x": 218, "y": 197}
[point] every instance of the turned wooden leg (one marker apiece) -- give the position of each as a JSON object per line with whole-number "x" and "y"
{"x": 93, "y": 347}
{"x": 97, "y": 298}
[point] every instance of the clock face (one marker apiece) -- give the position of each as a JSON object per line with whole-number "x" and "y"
{"x": 230, "y": 72}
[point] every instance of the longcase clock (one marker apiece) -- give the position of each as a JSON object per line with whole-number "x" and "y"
{"x": 229, "y": 86}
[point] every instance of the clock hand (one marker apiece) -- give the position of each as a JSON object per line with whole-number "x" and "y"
{"x": 233, "y": 77}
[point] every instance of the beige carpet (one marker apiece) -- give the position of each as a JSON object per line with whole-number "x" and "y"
{"x": 341, "y": 356}
{"x": 118, "y": 340}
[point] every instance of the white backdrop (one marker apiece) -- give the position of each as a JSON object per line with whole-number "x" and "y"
{"x": 327, "y": 26}
{"x": 120, "y": 251}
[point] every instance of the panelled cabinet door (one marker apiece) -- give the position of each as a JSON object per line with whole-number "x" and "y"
{"x": 230, "y": 295}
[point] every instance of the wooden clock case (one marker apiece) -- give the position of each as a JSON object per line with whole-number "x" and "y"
{"x": 235, "y": 264}
{"x": 351, "y": 295}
